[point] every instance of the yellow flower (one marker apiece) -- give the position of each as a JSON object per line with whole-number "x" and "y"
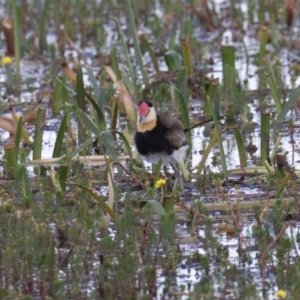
{"x": 159, "y": 183}
{"x": 281, "y": 294}
{"x": 6, "y": 60}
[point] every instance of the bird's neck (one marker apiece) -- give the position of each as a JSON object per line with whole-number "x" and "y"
{"x": 146, "y": 126}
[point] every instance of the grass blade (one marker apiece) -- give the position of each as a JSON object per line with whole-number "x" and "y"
{"x": 127, "y": 101}
{"x": 132, "y": 28}
{"x": 56, "y": 101}
{"x": 219, "y": 136}
{"x": 187, "y": 56}
{"x": 289, "y": 104}
{"x": 271, "y": 81}
{"x": 80, "y": 88}
{"x": 145, "y": 43}
{"x": 126, "y": 53}
{"x": 240, "y": 146}
{"x": 206, "y": 152}
{"x": 10, "y": 162}
{"x": 38, "y": 134}
{"x": 283, "y": 183}
{"x": 102, "y": 136}
{"x": 115, "y": 64}
{"x": 157, "y": 170}
{"x": 77, "y": 150}
{"x": 184, "y": 115}
{"x": 101, "y": 122}
{"x": 265, "y": 138}
{"x": 18, "y": 137}
{"x": 263, "y": 36}
{"x": 98, "y": 199}
{"x": 60, "y": 137}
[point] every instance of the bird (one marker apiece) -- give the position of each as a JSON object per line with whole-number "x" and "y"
{"x": 161, "y": 135}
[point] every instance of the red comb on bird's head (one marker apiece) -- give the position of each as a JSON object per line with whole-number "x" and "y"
{"x": 144, "y": 108}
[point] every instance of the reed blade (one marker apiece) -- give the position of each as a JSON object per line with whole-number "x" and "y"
{"x": 18, "y": 137}
{"x": 265, "y": 138}
{"x": 132, "y": 29}
{"x": 38, "y": 134}
{"x": 240, "y": 146}
{"x": 80, "y": 88}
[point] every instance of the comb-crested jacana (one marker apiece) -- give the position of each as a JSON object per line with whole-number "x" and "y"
{"x": 161, "y": 135}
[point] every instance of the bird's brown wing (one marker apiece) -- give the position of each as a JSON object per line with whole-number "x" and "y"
{"x": 176, "y": 138}
{"x": 170, "y": 121}
{"x": 173, "y": 129}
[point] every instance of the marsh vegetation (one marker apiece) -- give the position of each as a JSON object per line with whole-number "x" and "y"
{"x": 82, "y": 216}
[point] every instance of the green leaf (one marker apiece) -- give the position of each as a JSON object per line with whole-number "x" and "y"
{"x": 103, "y": 136}
{"x": 289, "y": 104}
{"x": 173, "y": 60}
{"x": 94, "y": 83}
{"x": 78, "y": 150}
{"x": 99, "y": 111}
{"x": 98, "y": 199}
{"x": 60, "y": 137}
{"x": 125, "y": 141}
{"x": 155, "y": 205}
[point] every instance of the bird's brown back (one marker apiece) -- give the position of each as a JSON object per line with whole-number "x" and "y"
{"x": 174, "y": 130}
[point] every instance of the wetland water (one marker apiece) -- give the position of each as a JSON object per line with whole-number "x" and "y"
{"x": 36, "y": 74}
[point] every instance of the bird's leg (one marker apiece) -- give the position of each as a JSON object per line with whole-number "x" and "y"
{"x": 177, "y": 177}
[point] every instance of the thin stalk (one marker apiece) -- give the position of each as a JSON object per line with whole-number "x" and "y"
{"x": 17, "y": 41}
{"x": 172, "y": 40}
{"x": 126, "y": 53}
{"x": 156, "y": 170}
{"x": 207, "y": 151}
{"x": 60, "y": 137}
{"x": 275, "y": 148}
{"x": 145, "y": 43}
{"x": 265, "y": 138}
{"x": 38, "y": 134}
{"x": 241, "y": 147}
{"x": 57, "y": 151}
{"x": 56, "y": 100}
{"x": 182, "y": 83}
{"x": 42, "y": 32}
{"x": 114, "y": 115}
{"x": 283, "y": 183}
{"x": 137, "y": 48}
{"x": 10, "y": 159}
{"x": 18, "y": 137}
{"x": 218, "y": 131}
{"x": 187, "y": 56}
{"x": 115, "y": 64}
{"x": 263, "y": 36}
{"x": 271, "y": 81}
{"x": 228, "y": 61}
{"x": 65, "y": 97}
{"x": 213, "y": 85}
{"x": 228, "y": 56}
{"x": 184, "y": 114}
{"x": 80, "y": 88}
